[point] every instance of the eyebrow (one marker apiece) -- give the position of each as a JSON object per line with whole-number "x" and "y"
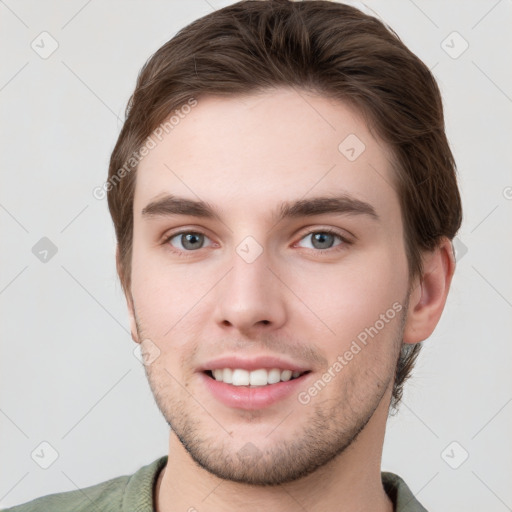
{"x": 343, "y": 204}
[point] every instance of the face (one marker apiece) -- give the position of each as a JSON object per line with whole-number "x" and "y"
{"x": 269, "y": 282}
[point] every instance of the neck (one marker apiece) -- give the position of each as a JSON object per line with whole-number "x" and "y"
{"x": 351, "y": 481}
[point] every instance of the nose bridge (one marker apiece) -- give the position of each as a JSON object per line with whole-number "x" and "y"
{"x": 251, "y": 294}
{"x": 250, "y": 274}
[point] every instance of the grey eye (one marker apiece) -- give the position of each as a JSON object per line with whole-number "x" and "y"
{"x": 322, "y": 239}
{"x": 189, "y": 241}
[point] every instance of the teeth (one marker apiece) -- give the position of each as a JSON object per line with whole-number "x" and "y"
{"x": 260, "y": 377}
{"x": 274, "y": 376}
{"x": 226, "y": 375}
{"x": 286, "y": 375}
{"x": 240, "y": 377}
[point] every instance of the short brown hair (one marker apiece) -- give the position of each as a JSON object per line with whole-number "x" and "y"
{"x": 328, "y": 48}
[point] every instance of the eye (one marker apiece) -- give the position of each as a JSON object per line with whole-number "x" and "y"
{"x": 187, "y": 240}
{"x": 324, "y": 239}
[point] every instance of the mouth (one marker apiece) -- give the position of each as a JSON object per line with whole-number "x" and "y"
{"x": 261, "y": 377}
{"x": 253, "y": 383}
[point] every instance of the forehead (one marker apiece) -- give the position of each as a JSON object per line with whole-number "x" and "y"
{"x": 246, "y": 153}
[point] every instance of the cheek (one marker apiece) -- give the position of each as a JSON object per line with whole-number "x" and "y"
{"x": 347, "y": 299}
{"x": 167, "y": 296}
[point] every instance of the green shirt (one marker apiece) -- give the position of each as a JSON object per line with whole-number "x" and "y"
{"x": 134, "y": 493}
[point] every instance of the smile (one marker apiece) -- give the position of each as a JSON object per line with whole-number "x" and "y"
{"x": 254, "y": 378}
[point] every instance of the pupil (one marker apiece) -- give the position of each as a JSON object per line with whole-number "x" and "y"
{"x": 190, "y": 240}
{"x": 321, "y": 238}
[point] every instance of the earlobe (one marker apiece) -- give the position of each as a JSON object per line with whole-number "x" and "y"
{"x": 428, "y": 296}
{"x": 129, "y": 300}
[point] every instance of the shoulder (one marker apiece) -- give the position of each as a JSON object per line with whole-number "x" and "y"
{"x": 128, "y": 492}
{"x": 400, "y": 494}
{"x": 96, "y": 497}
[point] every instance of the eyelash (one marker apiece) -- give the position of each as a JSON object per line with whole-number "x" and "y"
{"x": 344, "y": 241}
{"x": 335, "y": 249}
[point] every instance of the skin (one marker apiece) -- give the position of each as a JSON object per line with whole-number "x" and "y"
{"x": 245, "y": 156}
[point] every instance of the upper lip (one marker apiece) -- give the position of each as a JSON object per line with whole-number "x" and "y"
{"x": 254, "y": 363}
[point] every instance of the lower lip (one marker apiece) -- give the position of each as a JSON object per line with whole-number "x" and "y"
{"x": 256, "y": 397}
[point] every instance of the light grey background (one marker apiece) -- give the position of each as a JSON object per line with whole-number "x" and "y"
{"x": 68, "y": 373}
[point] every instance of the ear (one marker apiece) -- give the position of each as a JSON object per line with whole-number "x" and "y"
{"x": 129, "y": 299}
{"x": 429, "y": 293}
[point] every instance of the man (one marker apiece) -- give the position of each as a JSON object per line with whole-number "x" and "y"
{"x": 284, "y": 200}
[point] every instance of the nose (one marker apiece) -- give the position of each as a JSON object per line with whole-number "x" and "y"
{"x": 251, "y": 297}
